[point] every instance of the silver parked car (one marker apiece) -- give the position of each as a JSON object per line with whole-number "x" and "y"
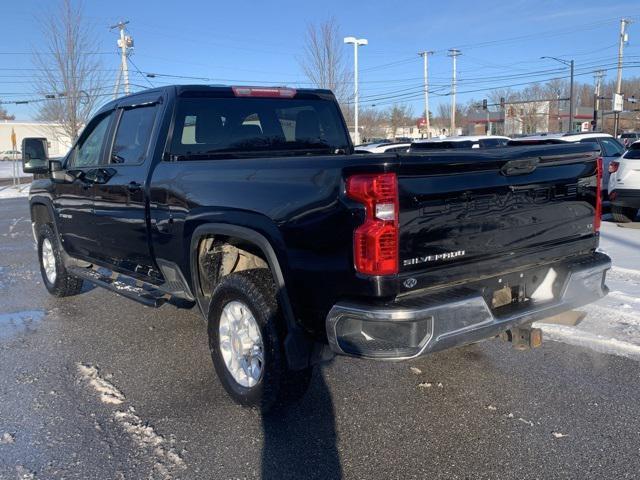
{"x": 10, "y": 155}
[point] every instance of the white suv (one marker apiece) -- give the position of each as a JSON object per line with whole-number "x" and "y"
{"x": 624, "y": 185}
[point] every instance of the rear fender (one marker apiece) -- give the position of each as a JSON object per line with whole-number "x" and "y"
{"x": 297, "y": 345}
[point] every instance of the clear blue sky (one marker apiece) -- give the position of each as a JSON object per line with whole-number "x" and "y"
{"x": 259, "y": 42}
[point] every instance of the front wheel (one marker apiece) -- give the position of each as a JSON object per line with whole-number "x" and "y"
{"x": 246, "y": 331}
{"x": 56, "y": 278}
{"x": 623, "y": 214}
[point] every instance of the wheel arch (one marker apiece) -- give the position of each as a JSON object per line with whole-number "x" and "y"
{"x": 297, "y": 344}
{"x": 41, "y": 210}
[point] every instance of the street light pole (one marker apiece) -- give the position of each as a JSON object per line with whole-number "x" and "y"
{"x": 356, "y": 43}
{"x": 570, "y": 64}
{"x": 425, "y": 56}
{"x": 453, "y": 52}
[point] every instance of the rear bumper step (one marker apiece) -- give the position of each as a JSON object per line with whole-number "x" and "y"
{"x": 413, "y": 326}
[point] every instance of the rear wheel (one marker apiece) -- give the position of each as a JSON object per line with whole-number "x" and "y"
{"x": 56, "y": 278}
{"x": 246, "y": 331}
{"x": 623, "y": 214}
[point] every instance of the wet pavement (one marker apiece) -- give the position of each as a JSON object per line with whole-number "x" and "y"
{"x": 97, "y": 386}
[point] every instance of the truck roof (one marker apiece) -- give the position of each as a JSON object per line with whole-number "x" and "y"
{"x": 233, "y": 90}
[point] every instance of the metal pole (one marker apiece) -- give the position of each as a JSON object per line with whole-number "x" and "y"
{"x": 571, "y": 125}
{"x": 453, "y": 53}
{"x": 356, "y": 135}
{"x": 623, "y": 27}
{"x": 125, "y": 66}
{"x": 425, "y": 58}
{"x": 596, "y": 101}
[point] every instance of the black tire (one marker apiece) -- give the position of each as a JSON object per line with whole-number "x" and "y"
{"x": 623, "y": 214}
{"x": 278, "y": 386}
{"x": 64, "y": 284}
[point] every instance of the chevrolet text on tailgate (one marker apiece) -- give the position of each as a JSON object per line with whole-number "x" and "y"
{"x": 249, "y": 204}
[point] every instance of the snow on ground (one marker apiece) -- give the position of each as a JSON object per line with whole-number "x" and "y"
{"x": 612, "y": 324}
{"x": 166, "y": 458}
{"x": 16, "y": 191}
{"x": 6, "y": 169}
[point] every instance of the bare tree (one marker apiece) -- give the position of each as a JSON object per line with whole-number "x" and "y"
{"x": 69, "y": 68}
{"x": 372, "y": 122}
{"x": 443, "y": 118}
{"x": 323, "y": 61}
{"x": 4, "y": 115}
{"x": 399, "y": 116}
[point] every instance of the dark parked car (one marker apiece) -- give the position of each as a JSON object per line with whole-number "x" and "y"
{"x": 610, "y": 149}
{"x": 465, "y": 141}
{"x": 628, "y": 138}
{"x": 248, "y": 204}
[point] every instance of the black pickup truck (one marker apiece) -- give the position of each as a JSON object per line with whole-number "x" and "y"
{"x": 249, "y": 203}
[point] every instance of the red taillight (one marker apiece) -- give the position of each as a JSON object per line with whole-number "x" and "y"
{"x": 269, "y": 92}
{"x": 598, "y": 214}
{"x": 375, "y": 242}
{"x": 613, "y": 167}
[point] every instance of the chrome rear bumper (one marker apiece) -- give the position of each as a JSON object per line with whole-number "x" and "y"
{"x": 446, "y": 318}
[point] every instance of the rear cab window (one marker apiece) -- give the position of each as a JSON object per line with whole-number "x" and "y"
{"x": 229, "y": 127}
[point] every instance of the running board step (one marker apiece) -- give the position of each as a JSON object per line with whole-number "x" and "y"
{"x": 126, "y": 286}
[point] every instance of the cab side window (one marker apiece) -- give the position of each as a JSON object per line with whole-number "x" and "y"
{"x": 88, "y": 152}
{"x": 133, "y": 134}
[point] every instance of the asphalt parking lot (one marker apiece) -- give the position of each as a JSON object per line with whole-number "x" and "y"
{"x": 96, "y": 386}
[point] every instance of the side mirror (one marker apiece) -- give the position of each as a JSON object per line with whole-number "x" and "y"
{"x": 35, "y": 156}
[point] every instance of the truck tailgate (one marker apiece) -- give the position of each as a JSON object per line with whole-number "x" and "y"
{"x": 460, "y": 208}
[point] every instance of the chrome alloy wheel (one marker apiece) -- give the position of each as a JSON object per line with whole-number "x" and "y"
{"x": 49, "y": 261}
{"x": 241, "y": 344}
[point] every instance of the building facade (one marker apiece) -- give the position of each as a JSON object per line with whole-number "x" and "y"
{"x": 59, "y": 143}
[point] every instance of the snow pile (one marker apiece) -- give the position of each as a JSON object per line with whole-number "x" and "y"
{"x": 612, "y": 324}
{"x": 146, "y": 437}
{"x": 166, "y": 459}
{"x": 17, "y": 191}
{"x": 108, "y": 392}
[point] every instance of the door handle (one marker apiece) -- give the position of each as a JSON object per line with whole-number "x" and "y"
{"x": 134, "y": 187}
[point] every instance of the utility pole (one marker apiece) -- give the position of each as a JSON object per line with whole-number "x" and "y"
{"x": 559, "y": 120}
{"x": 356, "y": 43}
{"x": 571, "y": 100}
{"x": 599, "y": 75}
{"x": 621, "y": 41}
{"x": 125, "y": 44}
{"x": 425, "y": 57}
{"x": 453, "y": 53}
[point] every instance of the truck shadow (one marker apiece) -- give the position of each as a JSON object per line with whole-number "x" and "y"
{"x": 300, "y": 441}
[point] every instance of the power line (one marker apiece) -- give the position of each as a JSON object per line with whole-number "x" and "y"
{"x": 138, "y": 70}
{"x": 393, "y": 98}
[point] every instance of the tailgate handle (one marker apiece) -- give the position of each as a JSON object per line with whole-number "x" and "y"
{"x": 519, "y": 167}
